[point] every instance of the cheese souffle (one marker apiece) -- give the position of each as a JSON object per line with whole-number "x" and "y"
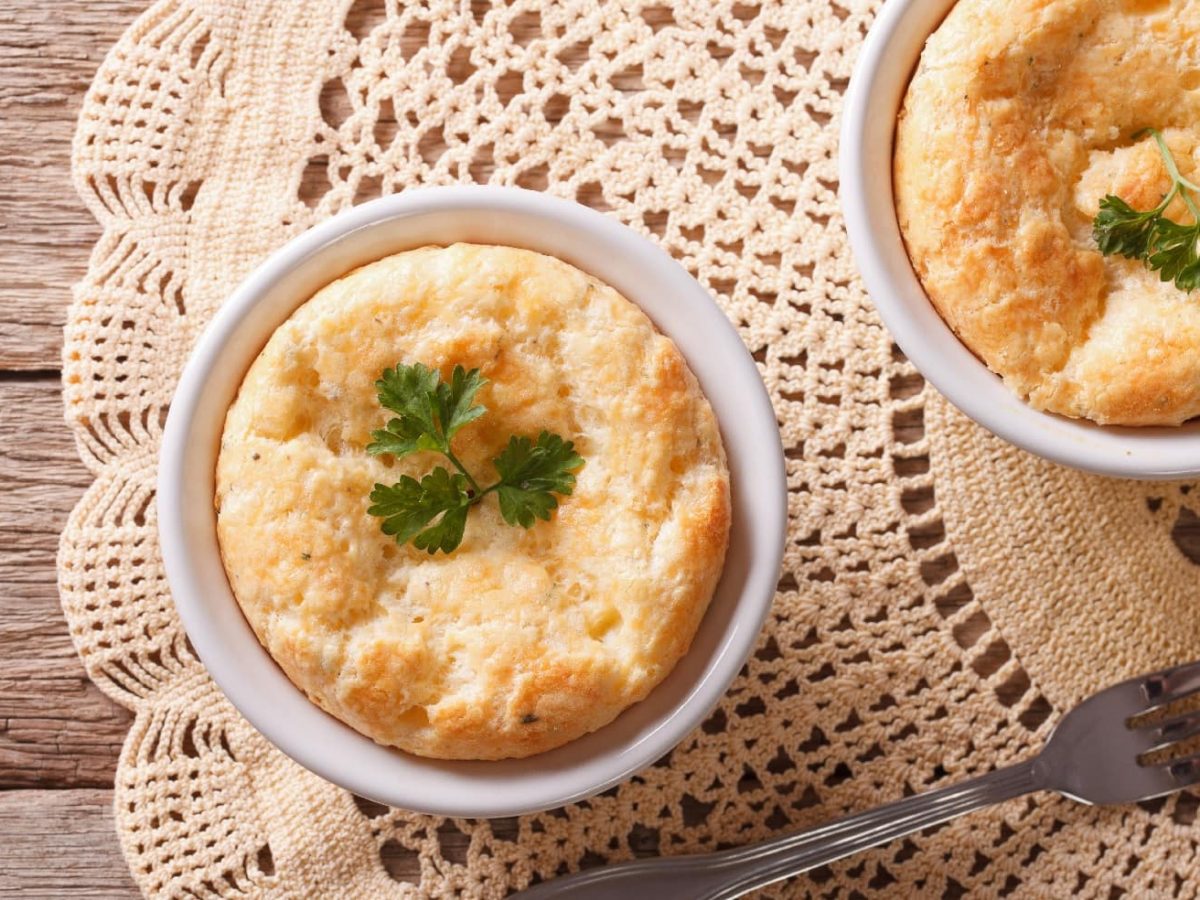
{"x": 520, "y": 640}
{"x": 1022, "y": 116}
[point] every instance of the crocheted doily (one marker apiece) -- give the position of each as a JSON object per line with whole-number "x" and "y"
{"x": 943, "y": 597}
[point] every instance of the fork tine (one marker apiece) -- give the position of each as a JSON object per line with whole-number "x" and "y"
{"x": 1172, "y": 731}
{"x": 1171, "y": 684}
{"x": 1185, "y": 772}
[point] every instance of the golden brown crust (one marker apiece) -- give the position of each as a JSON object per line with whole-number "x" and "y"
{"x": 520, "y": 640}
{"x": 1019, "y": 119}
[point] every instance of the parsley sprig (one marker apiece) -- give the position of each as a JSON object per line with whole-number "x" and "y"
{"x": 428, "y": 414}
{"x": 1166, "y": 247}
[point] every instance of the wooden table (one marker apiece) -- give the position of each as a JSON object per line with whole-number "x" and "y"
{"x": 59, "y": 735}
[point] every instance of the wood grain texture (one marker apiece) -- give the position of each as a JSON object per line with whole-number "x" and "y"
{"x": 61, "y": 844}
{"x": 59, "y": 735}
{"x": 56, "y": 728}
{"x": 48, "y": 55}
{"x": 58, "y": 732}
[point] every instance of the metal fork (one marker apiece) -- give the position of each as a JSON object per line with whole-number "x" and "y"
{"x": 1093, "y": 756}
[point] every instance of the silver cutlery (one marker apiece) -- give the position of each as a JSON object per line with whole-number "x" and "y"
{"x": 1096, "y": 755}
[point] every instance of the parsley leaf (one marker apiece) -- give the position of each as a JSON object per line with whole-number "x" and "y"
{"x": 408, "y": 506}
{"x": 1165, "y": 246}
{"x": 530, "y": 475}
{"x": 1119, "y": 228}
{"x": 410, "y": 392}
{"x": 429, "y": 413}
{"x": 446, "y": 534}
{"x": 455, "y": 400}
{"x": 1174, "y": 256}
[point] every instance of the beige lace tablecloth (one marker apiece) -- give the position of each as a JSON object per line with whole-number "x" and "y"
{"x": 943, "y": 596}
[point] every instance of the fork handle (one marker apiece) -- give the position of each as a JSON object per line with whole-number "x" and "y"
{"x": 732, "y": 873}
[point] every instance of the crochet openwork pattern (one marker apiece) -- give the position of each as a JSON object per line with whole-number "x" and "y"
{"x": 943, "y": 596}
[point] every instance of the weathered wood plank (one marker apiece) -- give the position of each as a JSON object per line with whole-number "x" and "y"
{"x": 48, "y": 55}
{"x": 61, "y": 844}
{"x": 56, "y": 728}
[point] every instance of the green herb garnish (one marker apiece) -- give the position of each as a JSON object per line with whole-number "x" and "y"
{"x": 1165, "y": 246}
{"x": 429, "y": 412}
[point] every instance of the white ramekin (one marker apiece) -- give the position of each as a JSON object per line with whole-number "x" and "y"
{"x": 885, "y": 65}
{"x": 678, "y": 306}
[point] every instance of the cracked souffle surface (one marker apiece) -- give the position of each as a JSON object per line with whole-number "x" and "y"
{"x": 1020, "y": 118}
{"x": 520, "y": 640}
